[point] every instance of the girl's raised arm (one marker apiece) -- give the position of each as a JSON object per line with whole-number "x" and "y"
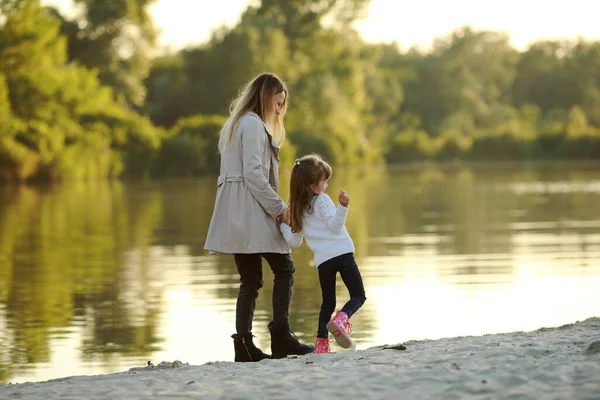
{"x": 335, "y": 218}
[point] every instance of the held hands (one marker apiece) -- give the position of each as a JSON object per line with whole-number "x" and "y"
{"x": 283, "y": 218}
{"x": 343, "y": 198}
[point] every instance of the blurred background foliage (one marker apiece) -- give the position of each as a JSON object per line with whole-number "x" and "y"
{"x": 83, "y": 97}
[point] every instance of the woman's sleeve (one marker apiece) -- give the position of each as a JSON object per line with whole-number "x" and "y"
{"x": 254, "y": 139}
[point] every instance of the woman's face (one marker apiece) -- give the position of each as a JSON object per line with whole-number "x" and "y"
{"x": 278, "y": 101}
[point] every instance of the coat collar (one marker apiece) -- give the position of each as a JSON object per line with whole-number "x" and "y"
{"x": 273, "y": 142}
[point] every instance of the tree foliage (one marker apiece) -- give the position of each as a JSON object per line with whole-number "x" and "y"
{"x": 81, "y": 97}
{"x": 60, "y": 121}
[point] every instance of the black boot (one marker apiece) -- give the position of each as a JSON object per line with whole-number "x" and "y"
{"x": 284, "y": 343}
{"x": 245, "y": 350}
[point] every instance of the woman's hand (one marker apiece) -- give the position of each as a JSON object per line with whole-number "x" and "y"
{"x": 282, "y": 218}
{"x": 343, "y": 198}
{"x": 286, "y": 217}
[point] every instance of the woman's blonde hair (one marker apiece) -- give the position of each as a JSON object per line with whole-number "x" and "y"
{"x": 307, "y": 171}
{"x": 257, "y": 95}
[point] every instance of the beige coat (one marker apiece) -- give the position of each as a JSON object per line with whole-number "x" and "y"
{"x": 247, "y": 202}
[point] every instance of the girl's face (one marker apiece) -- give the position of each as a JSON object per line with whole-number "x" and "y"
{"x": 320, "y": 187}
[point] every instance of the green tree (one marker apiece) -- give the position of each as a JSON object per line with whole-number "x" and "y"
{"x": 116, "y": 38}
{"x": 64, "y": 123}
{"x": 540, "y": 78}
{"x": 466, "y": 74}
{"x": 168, "y": 91}
{"x": 192, "y": 147}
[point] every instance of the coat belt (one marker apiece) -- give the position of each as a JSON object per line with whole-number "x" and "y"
{"x": 230, "y": 177}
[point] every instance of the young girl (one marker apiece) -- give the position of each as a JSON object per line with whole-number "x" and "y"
{"x": 311, "y": 213}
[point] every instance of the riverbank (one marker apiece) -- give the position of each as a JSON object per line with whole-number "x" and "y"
{"x": 549, "y": 363}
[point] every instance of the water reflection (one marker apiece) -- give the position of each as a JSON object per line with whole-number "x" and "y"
{"x": 99, "y": 277}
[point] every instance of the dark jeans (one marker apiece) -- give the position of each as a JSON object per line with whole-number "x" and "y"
{"x": 251, "y": 280}
{"x": 346, "y": 266}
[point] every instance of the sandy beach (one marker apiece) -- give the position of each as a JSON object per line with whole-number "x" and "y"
{"x": 549, "y": 363}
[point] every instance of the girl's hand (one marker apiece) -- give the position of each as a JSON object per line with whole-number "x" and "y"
{"x": 343, "y": 198}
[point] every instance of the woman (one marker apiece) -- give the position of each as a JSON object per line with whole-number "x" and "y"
{"x": 247, "y": 211}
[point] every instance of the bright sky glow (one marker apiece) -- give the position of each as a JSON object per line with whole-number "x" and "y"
{"x": 410, "y": 23}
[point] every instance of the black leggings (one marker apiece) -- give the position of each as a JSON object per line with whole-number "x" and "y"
{"x": 346, "y": 266}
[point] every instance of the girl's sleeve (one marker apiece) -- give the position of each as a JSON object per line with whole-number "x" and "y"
{"x": 293, "y": 239}
{"x": 335, "y": 218}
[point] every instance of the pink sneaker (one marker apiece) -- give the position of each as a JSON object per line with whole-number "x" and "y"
{"x": 322, "y": 346}
{"x": 341, "y": 329}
